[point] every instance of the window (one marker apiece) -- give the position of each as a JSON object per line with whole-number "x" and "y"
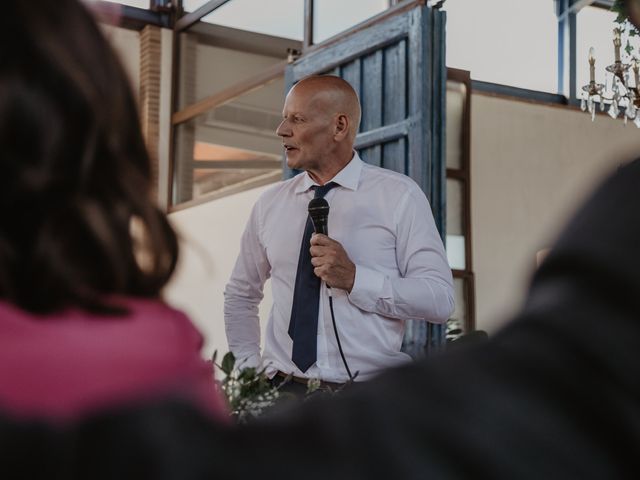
{"x": 134, "y": 3}
{"x": 209, "y": 66}
{"x": 231, "y": 147}
{"x": 278, "y": 18}
{"x": 228, "y": 100}
{"x": 458, "y": 234}
{"x": 331, "y": 17}
{"x": 510, "y": 42}
{"x": 192, "y": 5}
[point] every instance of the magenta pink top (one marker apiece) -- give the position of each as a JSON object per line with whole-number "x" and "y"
{"x": 68, "y": 364}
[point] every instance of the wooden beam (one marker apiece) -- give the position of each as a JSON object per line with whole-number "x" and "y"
{"x": 125, "y": 16}
{"x": 190, "y": 18}
{"x": 254, "y": 164}
{"x": 308, "y": 23}
{"x": 575, "y": 7}
{"x": 384, "y": 134}
{"x": 603, "y": 4}
{"x": 261, "y": 79}
{"x": 403, "y": 6}
{"x": 252, "y": 182}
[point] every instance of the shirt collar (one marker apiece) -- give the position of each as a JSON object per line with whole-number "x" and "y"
{"x": 348, "y": 177}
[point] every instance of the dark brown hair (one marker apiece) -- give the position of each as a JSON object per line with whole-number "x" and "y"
{"x": 74, "y": 170}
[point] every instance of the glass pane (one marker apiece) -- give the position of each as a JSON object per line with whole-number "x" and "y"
{"x": 206, "y": 69}
{"x": 511, "y": 42}
{"x": 146, "y": 4}
{"x": 455, "y": 239}
{"x": 206, "y": 181}
{"x": 278, "y": 18}
{"x": 457, "y": 324}
{"x": 456, "y": 98}
{"x": 334, "y": 16}
{"x": 595, "y": 29}
{"x": 234, "y": 145}
{"x": 191, "y": 5}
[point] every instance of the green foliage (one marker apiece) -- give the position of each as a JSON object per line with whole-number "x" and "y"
{"x": 623, "y": 23}
{"x": 228, "y": 362}
{"x": 619, "y": 8}
{"x": 622, "y": 19}
{"x": 248, "y": 390}
{"x": 250, "y": 393}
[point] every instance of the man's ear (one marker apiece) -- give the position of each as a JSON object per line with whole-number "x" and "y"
{"x": 341, "y": 127}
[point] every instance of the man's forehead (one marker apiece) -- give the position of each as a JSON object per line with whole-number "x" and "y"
{"x": 299, "y": 99}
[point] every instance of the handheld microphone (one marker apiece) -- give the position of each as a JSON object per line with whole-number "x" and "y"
{"x": 319, "y": 213}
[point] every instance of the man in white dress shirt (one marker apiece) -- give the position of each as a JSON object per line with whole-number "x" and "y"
{"x": 383, "y": 259}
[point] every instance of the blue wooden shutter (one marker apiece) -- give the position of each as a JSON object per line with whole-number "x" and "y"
{"x": 397, "y": 67}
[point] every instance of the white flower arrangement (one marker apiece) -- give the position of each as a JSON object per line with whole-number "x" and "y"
{"x": 248, "y": 390}
{"x": 250, "y": 393}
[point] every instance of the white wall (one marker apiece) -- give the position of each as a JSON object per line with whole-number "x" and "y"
{"x": 210, "y": 242}
{"x": 126, "y": 43}
{"x": 531, "y": 166}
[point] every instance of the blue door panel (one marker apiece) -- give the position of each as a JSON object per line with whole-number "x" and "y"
{"x": 396, "y": 65}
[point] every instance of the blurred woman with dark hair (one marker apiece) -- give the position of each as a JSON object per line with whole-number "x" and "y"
{"x": 84, "y": 252}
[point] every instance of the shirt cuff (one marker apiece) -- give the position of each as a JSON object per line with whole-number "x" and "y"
{"x": 249, "y": 361}
{"x": 368, "y": 288}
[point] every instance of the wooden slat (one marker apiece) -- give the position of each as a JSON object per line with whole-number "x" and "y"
{"x": 395, "y": 80}
{"x": 263, "y": 78}
{"x": 394, "y": 155}
{"x": 419, "y": 103}
{"x": 385, "y": 134}
{"x": 395, "y": 104}
{"x": 372, "y": 93}
{"x": 372, "y": 155}
{"x": 351, "y": 73}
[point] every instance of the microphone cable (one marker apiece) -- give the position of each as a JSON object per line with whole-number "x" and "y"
{"x": 335, "y": 330}
{"x": 319, "y": 213}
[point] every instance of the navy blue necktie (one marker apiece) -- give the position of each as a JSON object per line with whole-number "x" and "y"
{"x": 303, "y": 326}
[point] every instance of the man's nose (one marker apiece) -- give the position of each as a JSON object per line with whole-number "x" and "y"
{"x": 283, "y": 130}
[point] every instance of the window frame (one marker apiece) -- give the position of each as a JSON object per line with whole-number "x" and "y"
{"x": 463, "y": 175}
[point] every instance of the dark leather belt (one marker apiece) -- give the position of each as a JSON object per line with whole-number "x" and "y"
{"x": 305, "y": 381}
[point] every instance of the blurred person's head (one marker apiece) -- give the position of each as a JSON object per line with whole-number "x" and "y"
{"x": 77, "y": 224}
{"x": 632, "y": 8}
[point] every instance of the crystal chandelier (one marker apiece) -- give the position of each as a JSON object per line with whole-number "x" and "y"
{"x": 617, "y": 96}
